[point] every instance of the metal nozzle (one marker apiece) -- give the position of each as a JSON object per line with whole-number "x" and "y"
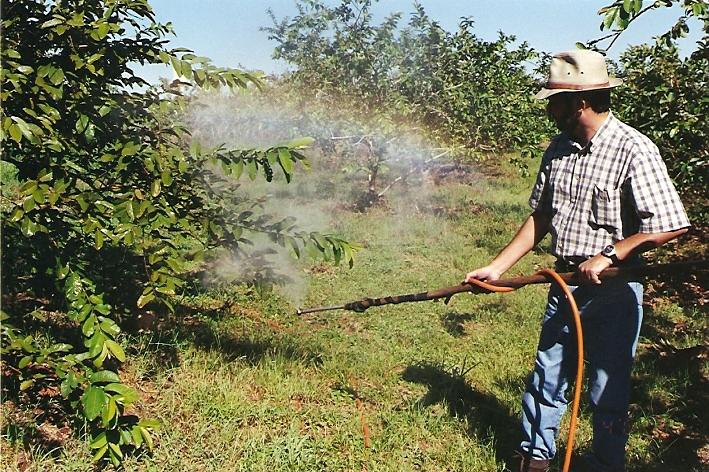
{"x": 302, "y": 311}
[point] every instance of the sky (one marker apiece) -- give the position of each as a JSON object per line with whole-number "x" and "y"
{"x": 228, "y": 31}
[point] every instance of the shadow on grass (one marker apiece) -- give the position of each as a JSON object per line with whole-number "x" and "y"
{"x": 454, "y": 322}
{"x": 213, "y": 329}
{"x": 483, "y": 413}
{"x": 253, "y": 350}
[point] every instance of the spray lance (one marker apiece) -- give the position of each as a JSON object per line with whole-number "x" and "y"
{"x": 507, "y": 285}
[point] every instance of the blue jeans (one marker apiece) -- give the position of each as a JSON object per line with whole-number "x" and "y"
{"x": 611, "y": 315}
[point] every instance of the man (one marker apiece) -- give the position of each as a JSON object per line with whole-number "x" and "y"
{"x": 604, "y": 195}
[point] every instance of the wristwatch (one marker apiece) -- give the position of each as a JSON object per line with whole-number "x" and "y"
{"x": 609, "y": 252}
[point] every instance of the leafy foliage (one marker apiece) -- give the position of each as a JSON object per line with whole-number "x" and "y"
{"x": 618, "y": 16}
{"x": 115, "y": 205}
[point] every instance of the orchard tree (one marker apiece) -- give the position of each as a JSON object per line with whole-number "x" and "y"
{"x": 115, "y": 205}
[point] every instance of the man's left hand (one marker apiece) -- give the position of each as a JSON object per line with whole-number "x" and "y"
{"x": 590, "y": 269}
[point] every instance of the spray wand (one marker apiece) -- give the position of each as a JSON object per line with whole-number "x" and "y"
{"x": 571, "y": 278}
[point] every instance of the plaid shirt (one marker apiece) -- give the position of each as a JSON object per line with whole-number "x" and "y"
{"x": 615, "y": 186}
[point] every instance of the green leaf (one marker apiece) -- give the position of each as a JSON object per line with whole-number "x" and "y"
{"x": 284, "y": 158}
{"x": 116, "y": 449}
{"x": 15, "y": 133}
{"x": 98, "y": 235}
{"x": 610, "y": 17}
{"x": 129, "y": 210}
{"x": 110, "y": 327}
{"x": 88, "y": 326}
{"x": 145, "y": 299}
{"x": 237, "y": 168}
{"x": 125, "y": 395}
{"x": 103, "y": 308}
{"x": 320, "y": 240}
{"x": 99, "y": 441}
{"x": 101, "y": 30}
{"x": 57, "y": 76}
{"x": 109, "y": 411}
{"x": 195, "y": 148}
{"x": 45, "y": 175}
{"x": 104, "y": 376}
{"x": 94, "y": 400}
{"x": 146, "y": 437}
{"x": 300, "y": 143}
{"x": 137, "y": 436}
{"x": 52, "y": 22}
{"x": 116, "y": 350}
{"x": 96, "y": 343}
{"x": 28, "y": 204}
{"x": 176, "y": 65}
{"x": 26, "y": 384}
{"x": 120, "y": 389}
{"x": 17, "y": 214}
{"x": 148, "y": 423}
{"x": 251, "y": 168}
{"x": 100, "y": 453}
{"x": 61, "y": 347}
{"x": 166, "y": 178}
{"x": 81, "y": 123}
{"x": 24, "y": 362}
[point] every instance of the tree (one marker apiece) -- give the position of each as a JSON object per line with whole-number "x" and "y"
{"x": 115, "y": 204}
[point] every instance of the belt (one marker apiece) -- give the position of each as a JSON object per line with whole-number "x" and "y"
{"x": 572, "y": 263}
{"x": 569, "y": 264}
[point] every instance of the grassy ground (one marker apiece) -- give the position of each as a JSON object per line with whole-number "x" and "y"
{"x": 240, "y": 383}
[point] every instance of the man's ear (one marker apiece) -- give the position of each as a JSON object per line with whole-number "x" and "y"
{"x": 582, "y": 103}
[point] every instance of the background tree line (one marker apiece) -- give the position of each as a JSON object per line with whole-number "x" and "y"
{"x": 476, "y": 93}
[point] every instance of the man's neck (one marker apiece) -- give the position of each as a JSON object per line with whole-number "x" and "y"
{"x": 588, "y": 125}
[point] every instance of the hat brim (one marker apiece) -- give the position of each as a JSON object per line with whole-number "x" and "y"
{"x": 546, "y": 93}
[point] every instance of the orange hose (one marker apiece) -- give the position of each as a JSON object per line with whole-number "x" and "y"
{"x": 579, "y": 346}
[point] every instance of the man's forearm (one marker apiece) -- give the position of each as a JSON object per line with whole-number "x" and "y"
{"x": 624, "y": 249}
{"x": 641, "y": 242}
{"x": 532, "y": 231}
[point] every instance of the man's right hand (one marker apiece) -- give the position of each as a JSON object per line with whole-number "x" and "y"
{"x": 486, "y": 274}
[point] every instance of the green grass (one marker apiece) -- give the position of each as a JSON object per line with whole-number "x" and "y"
{"x": 242, "y": 384}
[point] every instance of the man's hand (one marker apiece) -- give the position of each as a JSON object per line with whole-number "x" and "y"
{"x": 590, "y": 269}
{"x": 486, "y": 274}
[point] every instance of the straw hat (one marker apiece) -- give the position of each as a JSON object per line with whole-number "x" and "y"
{"x": 575, "y": 71}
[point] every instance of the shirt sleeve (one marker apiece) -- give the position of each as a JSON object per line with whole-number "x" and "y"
{"x": 540, "y": 199}
{"x": 655, "y": 198}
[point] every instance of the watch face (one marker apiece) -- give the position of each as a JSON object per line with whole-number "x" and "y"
{"x": 608, "y": 250}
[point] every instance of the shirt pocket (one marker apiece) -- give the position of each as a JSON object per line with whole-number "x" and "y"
{"x": 605, "y": 208}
